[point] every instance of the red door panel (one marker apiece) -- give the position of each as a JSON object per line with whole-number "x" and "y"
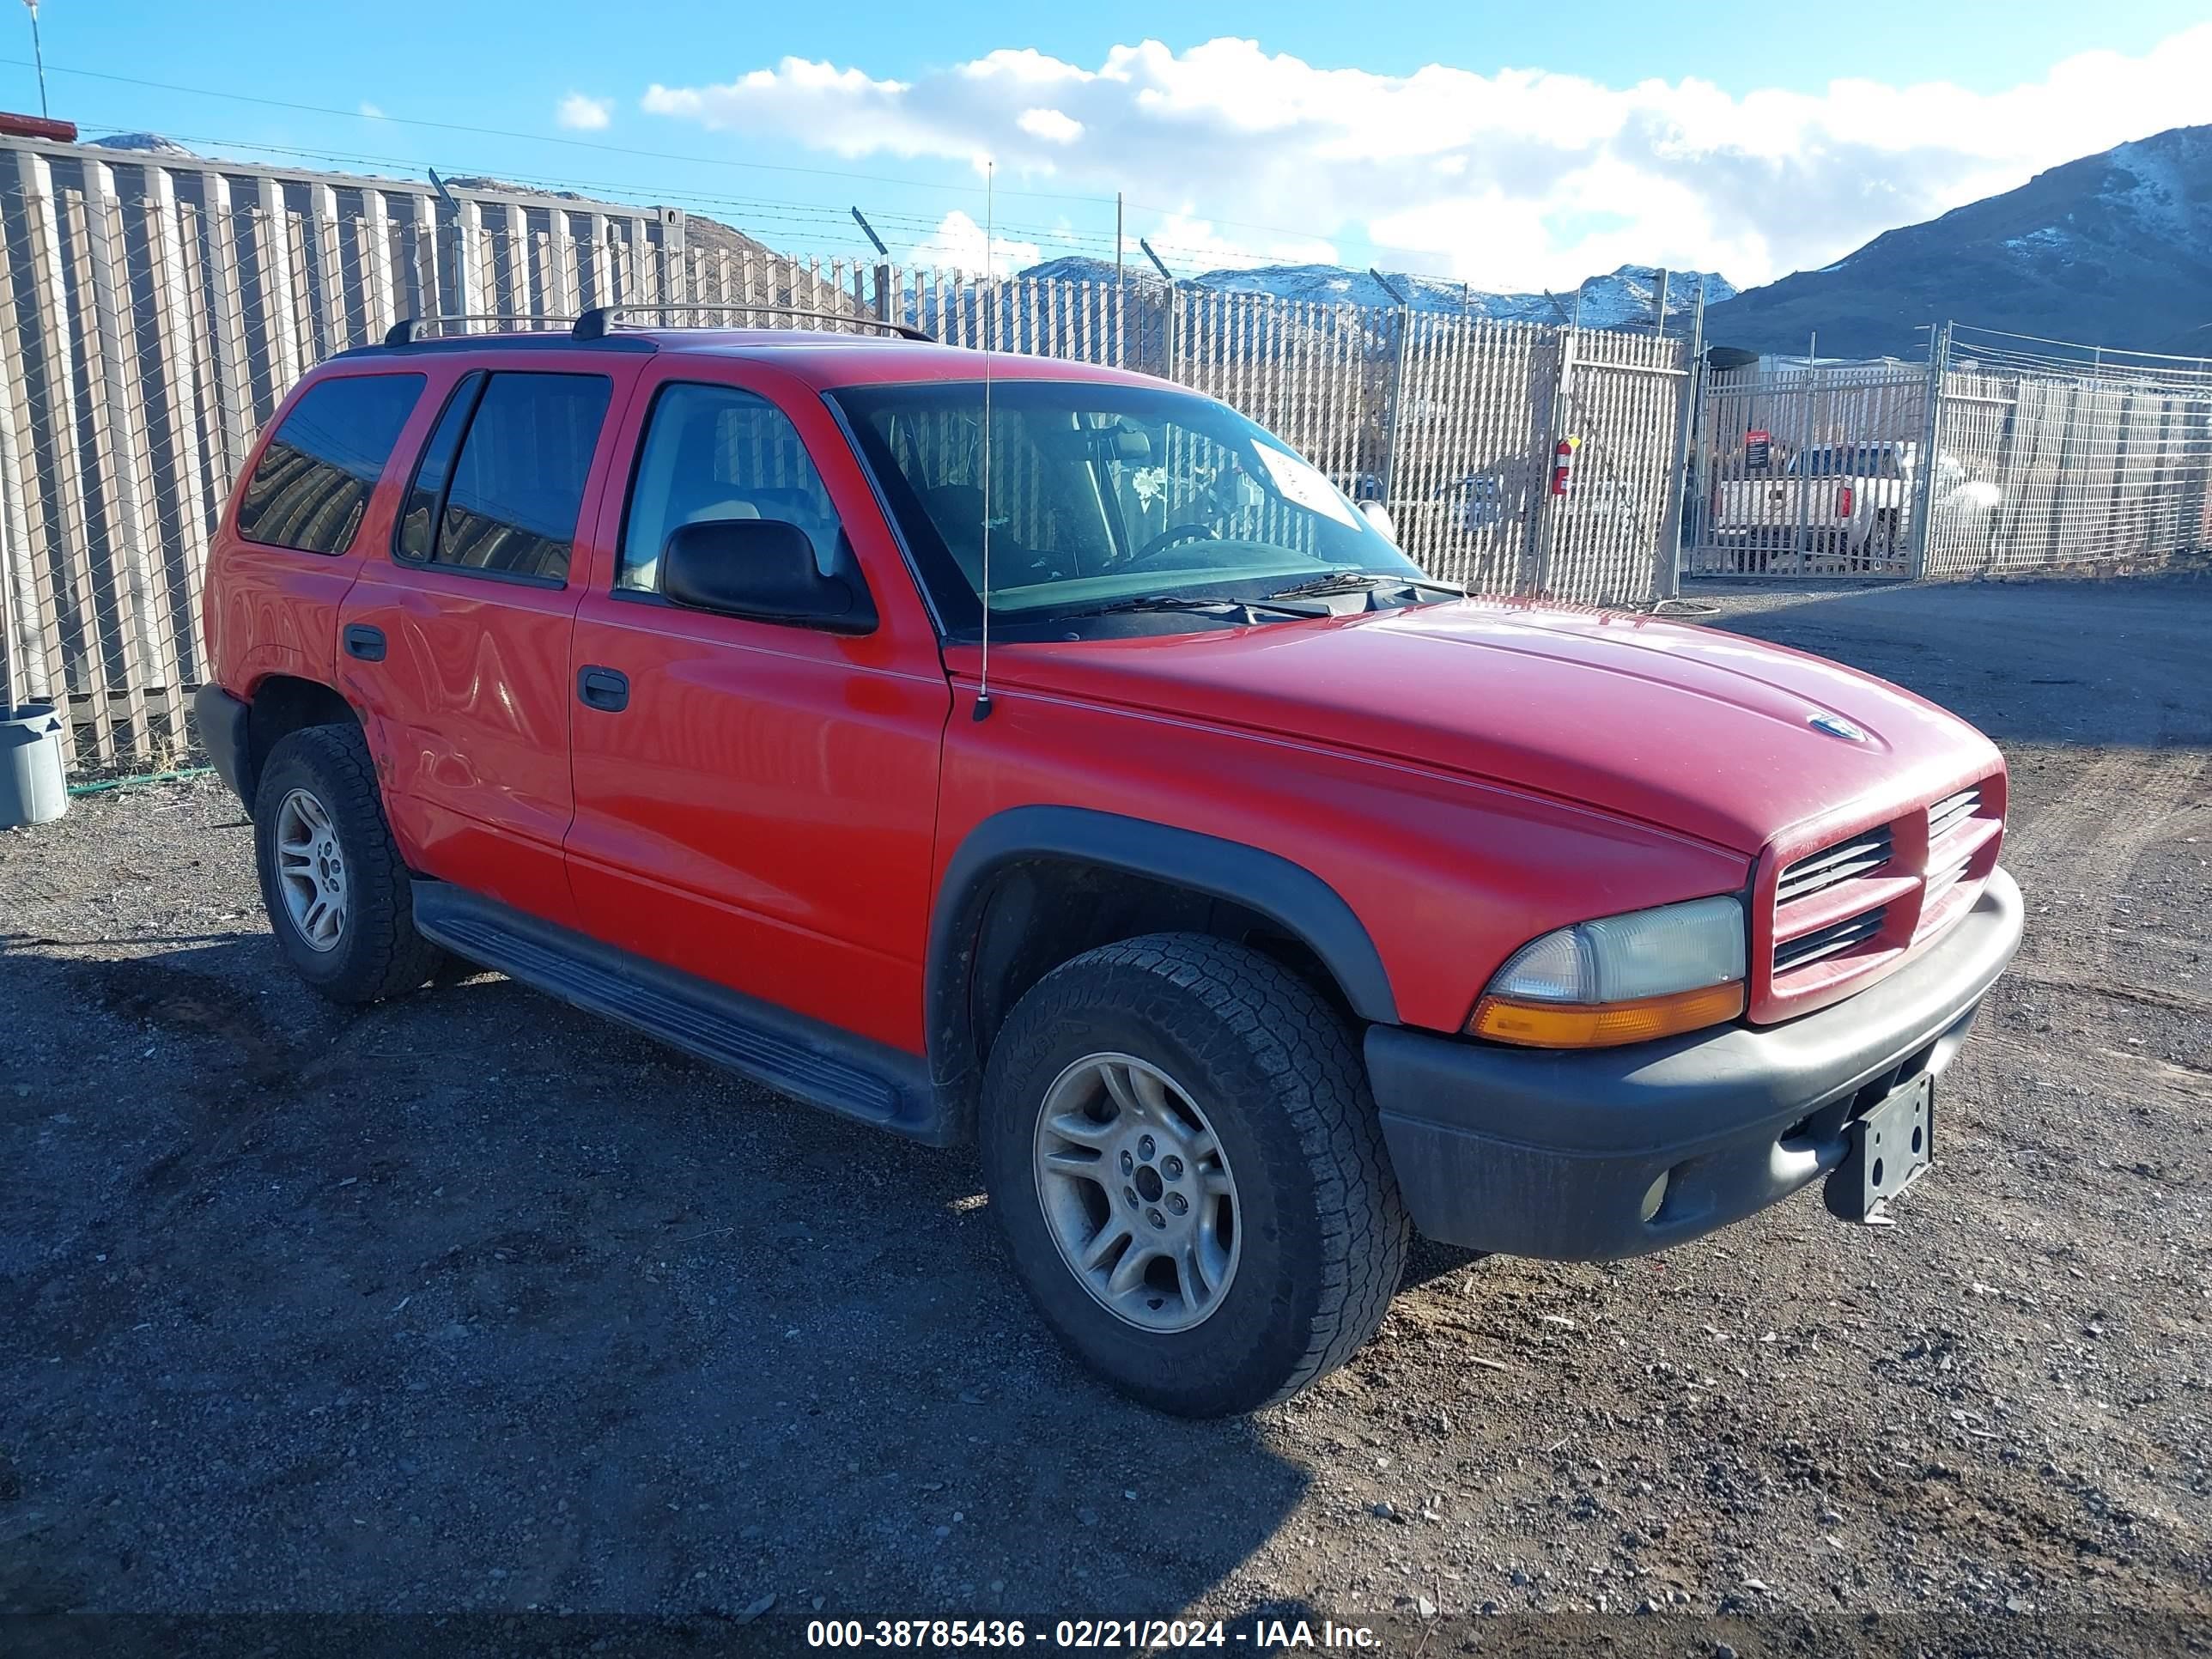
{"x": 468, "y": 717}
{"x": 762, "y": 813}
{"x": 277, "y": 614}
{"x": 467, "y": 707}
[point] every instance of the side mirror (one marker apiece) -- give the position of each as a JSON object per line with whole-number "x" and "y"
{"x": 763, "y": 569}
{"x": 1379, "y": 516}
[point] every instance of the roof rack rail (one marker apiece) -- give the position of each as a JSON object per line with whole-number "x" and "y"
{"x": 595, "y": 324}
{"x": 408, "y": 330}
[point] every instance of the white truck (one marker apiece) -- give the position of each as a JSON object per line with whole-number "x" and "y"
{"x": 1850, "y": 504}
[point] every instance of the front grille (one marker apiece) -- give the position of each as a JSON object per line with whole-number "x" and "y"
{"x": 1891, "y": 911}
{"x": 1831, "y": 940}
{"x": 1861, "y": 854}
{"x": 1951, "y": 812}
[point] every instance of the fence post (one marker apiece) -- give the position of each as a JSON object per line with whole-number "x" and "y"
{"x": 1688, "y": 448}
{"x": 34, "y": 658}
{"x": 1395, "y": 432}
{"x": 327, "y": 260}
{"x": 470, "y": 297}
{"x": 512, "y": 282}
{"x": 1931, "y": 432}
{"x": 227, "y": 323}
{"x": 378, "y": 312}
{"x": 140, "y": 599}
{"x": 272, "y": 232}
{"x": 75, "y": 607}
{"x": 185, "y": 395}
{"x": 1547, "y": 520}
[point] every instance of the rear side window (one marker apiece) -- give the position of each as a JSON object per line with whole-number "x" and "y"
{"x": 501, "y": 482}
{"x": 312, "y": 482}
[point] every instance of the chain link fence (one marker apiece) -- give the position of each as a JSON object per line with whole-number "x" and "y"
{"x": 154, "y": 311}
{"x": 2079, "y": 458}
{"x": 2001, "y": 456}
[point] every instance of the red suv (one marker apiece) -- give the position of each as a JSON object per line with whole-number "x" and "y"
{"x": 1246, "y": 895}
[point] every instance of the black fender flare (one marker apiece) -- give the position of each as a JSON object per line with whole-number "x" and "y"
{"x": 1286, "y": 893}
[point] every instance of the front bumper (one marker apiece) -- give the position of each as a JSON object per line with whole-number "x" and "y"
{"x": 1553, "y": 1155}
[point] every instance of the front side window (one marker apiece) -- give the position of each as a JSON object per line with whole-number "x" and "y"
{"x": 501, "y": 482}
{"x": 312, "y": 482}
{"x": 1100, "y": 493}
{"x": 710, "y": 452}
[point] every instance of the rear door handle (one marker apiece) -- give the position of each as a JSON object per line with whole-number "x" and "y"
{"x": 605, "y": 689}
{"x": 364, "y": 642}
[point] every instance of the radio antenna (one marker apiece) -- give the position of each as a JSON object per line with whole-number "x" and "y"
{"x": 983, "y": 681}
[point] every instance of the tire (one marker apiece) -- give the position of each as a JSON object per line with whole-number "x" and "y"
{"x": 364, "y": 948}
{"x": 1315, "y": 1230}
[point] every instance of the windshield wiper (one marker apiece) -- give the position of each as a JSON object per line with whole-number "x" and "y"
{"x": 1357, "y": 581}
{"x": 1191, "y": 602}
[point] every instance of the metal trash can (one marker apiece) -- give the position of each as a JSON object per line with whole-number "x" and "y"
{"x": 33, "y": 789}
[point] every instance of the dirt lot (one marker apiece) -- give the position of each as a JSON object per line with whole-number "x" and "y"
{"x": 470, "y": 1303}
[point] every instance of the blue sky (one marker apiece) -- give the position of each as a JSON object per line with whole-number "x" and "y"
{"x": 1507, "y": 146}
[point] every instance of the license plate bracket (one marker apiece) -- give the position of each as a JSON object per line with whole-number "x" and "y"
{"x": 1891, "y": 1146}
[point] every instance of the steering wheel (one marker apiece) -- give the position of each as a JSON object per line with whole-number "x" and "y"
{"x": 1174, "y": 536}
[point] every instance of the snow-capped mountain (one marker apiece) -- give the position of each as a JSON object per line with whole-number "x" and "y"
{"x": 1621, "y": 298}
{"x": 150, "y": 144}
{"x": 2114, "y": 249}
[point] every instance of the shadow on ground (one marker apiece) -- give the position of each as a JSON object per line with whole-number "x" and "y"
{"x": 2087, "y": 663}
{"x": 472, "y": 1301}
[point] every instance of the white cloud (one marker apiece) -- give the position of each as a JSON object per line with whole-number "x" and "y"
{"x": 1515, "y": 178}
{"x": 371, "y": 110}
{"x": 583, "y": 114}
{"x": 1052, "y": 125}
{"x": 1191, "y": 244}
{"x": 958, "y": 241}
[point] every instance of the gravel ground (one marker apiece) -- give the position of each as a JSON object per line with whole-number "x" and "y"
{"x": 470, "y": 1303}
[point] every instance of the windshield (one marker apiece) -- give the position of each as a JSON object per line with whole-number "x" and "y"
{"x": 1099, "y": 496}
{"x": 1863, "y": 463}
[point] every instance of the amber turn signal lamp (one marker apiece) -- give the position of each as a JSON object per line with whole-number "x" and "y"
{"x": 1604, "y": 1025}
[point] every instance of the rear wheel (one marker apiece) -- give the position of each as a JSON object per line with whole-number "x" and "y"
{"x": 332, "y": 880}
{"x": 1185, "y": 1162}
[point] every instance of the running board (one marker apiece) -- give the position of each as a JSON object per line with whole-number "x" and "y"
{"x": 786, "y": 1052}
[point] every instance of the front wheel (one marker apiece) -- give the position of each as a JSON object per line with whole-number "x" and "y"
{"x": 1185, "y": 1164}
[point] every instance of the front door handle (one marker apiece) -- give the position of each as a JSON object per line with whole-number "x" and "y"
{"x": 605, "y": 689}
{"x": 365, "y": 642}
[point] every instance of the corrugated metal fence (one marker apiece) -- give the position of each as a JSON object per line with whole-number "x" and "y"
{"x": 155, "y": 310}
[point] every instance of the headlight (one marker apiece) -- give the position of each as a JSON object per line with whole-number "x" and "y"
{"x": 1624, "y": 979}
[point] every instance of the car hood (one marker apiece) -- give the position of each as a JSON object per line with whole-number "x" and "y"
{"x": 1694, "y": 730}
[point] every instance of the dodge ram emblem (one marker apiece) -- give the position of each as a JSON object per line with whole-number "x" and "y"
{"x": 1837, "y": 726}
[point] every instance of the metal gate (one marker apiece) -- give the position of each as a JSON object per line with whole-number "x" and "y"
{"x": 1479, "y": 409}
{"x": 1813, "y": 471}
{"x": 1610, "y": 534}
{"x": 2003, "y": 455}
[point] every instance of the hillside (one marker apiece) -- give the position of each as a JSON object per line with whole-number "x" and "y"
{"x": 2114, "y": 249}
{"x": 1618, "y": 299}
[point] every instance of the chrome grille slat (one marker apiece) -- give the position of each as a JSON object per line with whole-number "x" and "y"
{"x": 1858, "y": 855}
{"x": 1941, "y": 882}
{"x": 1831, "y": 940}
{"x": 1952, "y": 810}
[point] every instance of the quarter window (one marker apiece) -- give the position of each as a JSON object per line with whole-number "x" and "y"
{"x": 312, "y": 482}
{"x": 501, "y": 482}
{"x": 713, "y": 452}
